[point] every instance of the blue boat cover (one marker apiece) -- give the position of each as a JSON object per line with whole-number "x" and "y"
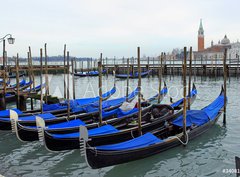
{"x": 77, "y": 104}
{"x": 139, "y": 142}
{"x": 22, "y": 83}
{"x": 106, "y": 104}
{"x": 5, "y": 113}
{"x": 200, "y": 117}
{"x": 33, "y": 118}
{"x": 103, "y": 130}
{"x": 177, "y": 103}
{"x": 67, "y": 124}
{"x": 194, "y": 117}
{"x": 213, "y": 109}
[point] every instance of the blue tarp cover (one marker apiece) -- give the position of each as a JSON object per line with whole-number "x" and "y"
{"x": 103, "y": 130}
{"x": 33, "y": 118}
{"x": 139, "y": 142}
{"x": 67, "y": 124}
{"x": 77, "y": 104}
{"x": 196, "y": 117}
{"x": 93, "y": 107}
{"x": 213, "y": 109}
{"x": 6, "y": 113}
{"x": 200, "y": 117}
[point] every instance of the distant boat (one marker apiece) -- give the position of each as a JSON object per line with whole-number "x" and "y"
{"x": 90, "y": 73}
{"x": 14, "y": 75}
{"x": 132, "y": 76}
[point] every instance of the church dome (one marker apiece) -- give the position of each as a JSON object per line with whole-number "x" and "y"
{"x": 225, "y": 40}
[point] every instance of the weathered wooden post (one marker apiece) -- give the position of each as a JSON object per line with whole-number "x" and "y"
{"x": 73, "y": 80}
{"x": 100, "y": 89}
{"x": 46, "y": 75}
{"x": 30, "y": 77}
{"x": 68, "y": 94}
{"x": 17, "y": 81}
{"x": 190, "y": 79}
{"x": 3, "y": 92}
{"x": 225, "y": 85}
{"x": 32, "y": 68}
{"x": 160, "y": 78}
{"x": 127, "y": 79}
{"x": 139, "y": 94}
{"x": 64, "y": 70}
{"x": 184, "y": 94}
{"x": 41, "y": 80}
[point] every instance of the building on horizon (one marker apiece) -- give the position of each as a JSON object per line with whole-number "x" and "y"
{"x": 215, "y": 51}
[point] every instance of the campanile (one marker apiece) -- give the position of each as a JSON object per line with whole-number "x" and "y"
{"x": 200, "y": 37}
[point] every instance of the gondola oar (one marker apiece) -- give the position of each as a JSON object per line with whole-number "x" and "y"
{"x": 127, "y": 79}
{"x": 139, "y": 94}
{"x": 190, "y": 77}
{"x": 184, "y": 97}
{"x": 100, "y": 89}
{"x": 160, "y": 79}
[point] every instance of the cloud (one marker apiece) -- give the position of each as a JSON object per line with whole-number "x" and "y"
{"x": 117, "y": 27}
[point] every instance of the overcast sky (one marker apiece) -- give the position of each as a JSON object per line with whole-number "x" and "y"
{"x": 115, "y": 27}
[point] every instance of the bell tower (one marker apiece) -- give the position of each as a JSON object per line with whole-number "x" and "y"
{"x": 200, "y": 37}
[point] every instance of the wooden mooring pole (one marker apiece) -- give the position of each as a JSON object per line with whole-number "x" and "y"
{"x": 139, "y": 94}
{"x": 160, "y": 78}
{"x": 190, "y": 78}
{"x": 225, "y": 85}
{"x": 127, "y": 79}
{"x": 64, "y": 70}
{"x": 184, "y": 94}
{"x": 100, "y": 89}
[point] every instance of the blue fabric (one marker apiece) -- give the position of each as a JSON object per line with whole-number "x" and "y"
{"x": 77, "y": 104}
{"x": 133, "y": 94}
{"x": 200, "y": 117}
{"x": 122, "y": 113}
{"x": 139, "y": 142}
{"x": 118, "y": 112}
{"x": 213, "y": 109}
{"x": 5, "y": 113}
{"x": 194, "y": 117}
{"x": 36, "y": 88}
{"x": 33, "y": 118}
{"x": 103, "y": 130}
{"x": 22, "y": 83}
{"x": 67, "y": 124}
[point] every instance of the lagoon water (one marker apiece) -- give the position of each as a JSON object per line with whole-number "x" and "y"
{"x": 207, "y": 155}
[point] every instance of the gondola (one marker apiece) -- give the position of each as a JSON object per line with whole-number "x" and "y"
{"x": 237, "y": 161}
{"x": 14, "y": 76}
{"x": 132, "y": 76}
{"x": 197, "y": 122}
{"x": 12, "y": 97}
{"x": 90, "y": 73}
{"x": 114, "y": 116}
{"x": 59, "y": 111}
{"x": 84, "y": 113}
{"x": 119, "y": 131}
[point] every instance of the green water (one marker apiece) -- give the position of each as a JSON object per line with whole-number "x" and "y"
{"x": 208, "y": 155}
